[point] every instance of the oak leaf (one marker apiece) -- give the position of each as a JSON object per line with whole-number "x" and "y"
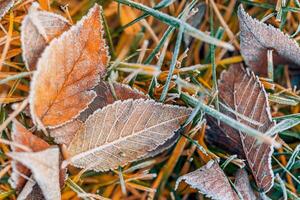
{"x": 5, "y": 5}
{"x": 106, "y": 94}
{"x": 123, "y": 132}
{"x": 45, "y": 167}
{"x": 38, "y": 29}
{"x": 68, "y": 70}
{"x": 241, "y": 91}
{"x": 24, "y": 137}
{"x": 211, "y": 181}
{"x": 257, "y": 38}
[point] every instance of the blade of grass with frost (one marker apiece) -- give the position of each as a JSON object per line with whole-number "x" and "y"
{"x": 287, "y": 117}
{"x": 290, "y": 194}
{"x": 228, "y": 160}
{"x": 160, "y": 5}
{"x": 270, "y": 65}
{"x": 269, "y": 6}
{"x": 168, "y": 33}
{"x": 293, "y": 157}
{"x": 282, "y": 185}
{"x": 286, "y": 170}
{"x": 194, "y": 142}
{"x": 15, "y": 77}
{"x": 229, "y": 121}
{"x": 122, "y": 182}
{"x": 173, "y": 64}
{"x": 108, "y": 36}
{"x": 153, "y": 83}
{"x": 282, "y": 100}
{"x": 296, "y": 32}
{"x": 188, "y": 29}
{"x": 240, "y": 115}
{"x": 283, "y": 125}
{"x": 174, "y": 57}
{"x": 76, "y": 188}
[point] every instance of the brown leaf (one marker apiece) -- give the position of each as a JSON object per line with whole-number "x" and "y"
{"x": 241, "y": 91}
{"x": 257, "y": 38}
{"x": 67, "y": 71}
{"x": 123, "y": 132}
{"x": 38, "y": 29}
{"x": 105, "y": 96}
{"x": 22, "y": 136}
{"x": 211, "y": 181}
{"x": 5, "y": 5}
{"x": 242, "y": 184}
{"x": 45, "y": 168}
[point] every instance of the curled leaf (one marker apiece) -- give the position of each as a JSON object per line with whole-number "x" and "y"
{"x": 44, "y": 166}
{"x": 257, "y": 38}
{"x": 123, "y": 132}
{"x": 106, "y": 94}
{"x": 68, "y": 70}
{"x": 38, "y": 29}
{"x": 22, "y": 136}
{"x": 242, "y": 92}
{"x": 211, "y": 181}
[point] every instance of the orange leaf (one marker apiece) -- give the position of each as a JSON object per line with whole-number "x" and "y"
{"x": 67, "y": 71}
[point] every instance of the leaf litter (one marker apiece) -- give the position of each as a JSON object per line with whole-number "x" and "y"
{"x": 118, "y": 135}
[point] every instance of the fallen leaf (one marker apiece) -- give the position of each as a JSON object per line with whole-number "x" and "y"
{"x": 45, "y": 168}
{"x": 241, "y": 91}
{"x": 24, "y": 137}
{"x": 38, "y": 29}
{"x": 211, "y": 181}
{"x": 68, "y": 70}
{"x": 242, "y": 184}
{"x": 105, "y": 96}
{"x": 5, "y": 5}
{"x": 257, "y": 38}
{"x": 123, "y": 132}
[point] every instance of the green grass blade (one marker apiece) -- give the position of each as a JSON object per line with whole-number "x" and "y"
{"x": 172, "y": 21}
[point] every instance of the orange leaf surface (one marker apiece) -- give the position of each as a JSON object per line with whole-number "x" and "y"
{"x": 67, "y": 71}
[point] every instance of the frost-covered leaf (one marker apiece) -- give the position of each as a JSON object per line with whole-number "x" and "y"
{"x": 240, "y": 90}
{"x": 257, "y": 38}
{"x": 45, "y": 168}
{"x": 123, "y": 132}
{"x": 38, "y": 29}
{"x": 67, "y": 71}
{"x": 211, "y": 181}
{"x": 24, "y": 137}
{"x": 242, "y": 184}
{"x": 5, "y": 5}
{"x": 106, "y": 95}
